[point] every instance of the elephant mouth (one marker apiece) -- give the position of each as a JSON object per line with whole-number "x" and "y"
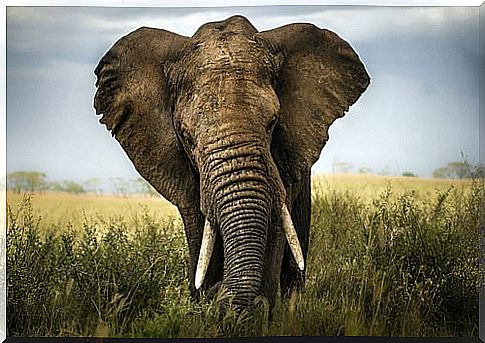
{"x": 208, "y": 242}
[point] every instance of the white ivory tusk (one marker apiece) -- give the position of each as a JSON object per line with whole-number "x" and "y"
{"x": 292, "y": 238}
{"x": 206, "y": 248}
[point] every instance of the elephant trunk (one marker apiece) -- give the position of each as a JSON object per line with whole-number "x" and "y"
{"x": 240, "y": 201}
{"x": 244, "y": 224}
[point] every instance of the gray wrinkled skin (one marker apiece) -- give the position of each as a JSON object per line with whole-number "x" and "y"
{"x": 226, "y": 125}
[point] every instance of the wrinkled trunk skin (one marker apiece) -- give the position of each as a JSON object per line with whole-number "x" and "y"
{"x": 244, "y": 226}
{"x": 237, "y": 193}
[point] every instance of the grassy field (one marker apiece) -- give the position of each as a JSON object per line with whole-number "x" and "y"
{"x": 388, "y": 256}
{"x": 60, "y": 210}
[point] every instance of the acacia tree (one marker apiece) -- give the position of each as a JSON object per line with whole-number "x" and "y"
{"x": 55, "y": 186}
{"x": 120, "y": 186}
{"x": 365, "y": 170}
{"x": 72, "y": 187}
{"x": 145, "y": 188}
{"x": 453, "y": 170}
{"x": 92, "y": 185}
{"x": 26, "y": 181}
{"x": 342, "y": 167}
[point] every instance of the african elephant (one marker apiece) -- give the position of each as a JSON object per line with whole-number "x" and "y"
{"x": 226, "y": 125}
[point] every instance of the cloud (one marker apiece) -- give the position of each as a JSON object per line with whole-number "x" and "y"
{"x": 38, "y": 34}
{"x": 47, "y": 31}
{"x": 374, "y": 23}
{"x": 422, "y": 61}
{"x": 361, "y": 22}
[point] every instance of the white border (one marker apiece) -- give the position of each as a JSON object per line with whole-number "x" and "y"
{"x": 226, "y": 3}
{"x": 142, "y": 3}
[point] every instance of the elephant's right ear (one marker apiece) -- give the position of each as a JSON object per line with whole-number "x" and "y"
{"x": 134, "y": 99}
{"x": 318, "y": 77}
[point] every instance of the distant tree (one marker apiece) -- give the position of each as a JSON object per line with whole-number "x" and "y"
{"x": 442, "y": 173}
{"x": 55, "y": 186}
{"x": 384, "y": 171}
{"x": 26, "y": 181}
{"x": 92, "y": 185}
{"x": 145, "y": 188}
{"x": 120, "y": 186}
{"x": 365, "y": 170}
{"x": 453, "y": 170}
{"x": 409, "y": 174}
{"x": 342, "y": 167}
{"x": 460, "y": 169}
{"x": 72, "y": 187}
{"x": 478, "y": 171}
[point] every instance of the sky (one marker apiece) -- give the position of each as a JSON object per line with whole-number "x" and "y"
{"x": 419, "y": 113}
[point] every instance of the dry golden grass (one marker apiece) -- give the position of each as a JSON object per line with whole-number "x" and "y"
{"x": 369, "y": 187}
{"x": 60, "y": 209}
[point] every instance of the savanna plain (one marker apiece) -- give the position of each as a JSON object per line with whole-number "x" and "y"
{"x": 389, "y": 256}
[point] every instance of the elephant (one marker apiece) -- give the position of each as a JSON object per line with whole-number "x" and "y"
{"x": 226, "y": 125}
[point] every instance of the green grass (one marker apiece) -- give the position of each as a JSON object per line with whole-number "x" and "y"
{"x": 387, "y": 256}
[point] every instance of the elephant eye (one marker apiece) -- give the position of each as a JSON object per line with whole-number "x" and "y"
{"x": 272, "y": 124}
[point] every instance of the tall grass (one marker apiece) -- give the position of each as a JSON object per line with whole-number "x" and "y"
{"x": 90, "y": 282}
{"x": 399, "y": 265}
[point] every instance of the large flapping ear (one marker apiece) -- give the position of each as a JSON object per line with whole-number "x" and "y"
{"x": 319, "y": 77}
{"x": 134, "y": 99}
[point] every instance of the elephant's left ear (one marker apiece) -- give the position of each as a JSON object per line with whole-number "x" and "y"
{"x": 134, "y": 98}
{"x": 319, "y": 77}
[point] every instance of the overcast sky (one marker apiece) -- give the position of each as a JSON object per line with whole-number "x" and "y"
{"x": 419, "y": 113}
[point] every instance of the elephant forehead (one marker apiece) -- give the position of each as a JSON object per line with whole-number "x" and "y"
{"x": 235, "y": 24}
{"x": 232, "y": 54}
{"x": 231, "y": 75}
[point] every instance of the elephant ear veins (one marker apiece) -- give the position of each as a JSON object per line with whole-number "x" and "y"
{"x": 319, "y": 77}
{"x": 134, "y": 99}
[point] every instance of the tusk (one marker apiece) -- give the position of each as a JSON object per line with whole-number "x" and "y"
{"x": 205, "y": 254}
{"x": 292, "y": 238}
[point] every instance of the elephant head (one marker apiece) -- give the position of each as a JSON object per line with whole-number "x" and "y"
{"x": 226, "y": 125}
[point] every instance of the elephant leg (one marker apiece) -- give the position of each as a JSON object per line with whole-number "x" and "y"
{"x": 292, "y": 278}
{"x": 193, "y": 221}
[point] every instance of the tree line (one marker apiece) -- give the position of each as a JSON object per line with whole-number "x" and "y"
{"x": 453, "y": 170}
{"x": 38, "y": 182}
{"x": 459, "y": 170}
{"x": 35, "y": 181}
